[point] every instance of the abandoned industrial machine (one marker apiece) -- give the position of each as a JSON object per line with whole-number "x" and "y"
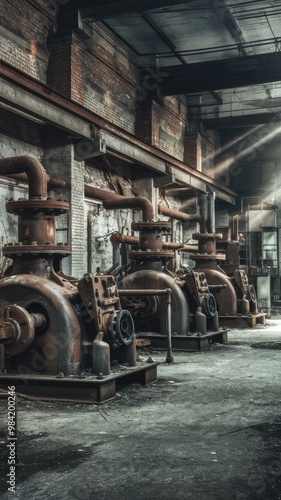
{"x": 194, "y": 318}
{"x": 52, "y": 326}
{"x": 204, "y": 299}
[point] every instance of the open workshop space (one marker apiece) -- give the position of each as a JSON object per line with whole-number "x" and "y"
{"x": 140, "y": 291}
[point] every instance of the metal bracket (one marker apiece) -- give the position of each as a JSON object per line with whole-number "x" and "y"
{"x": 89, "y": 148}
{"x": 164, "y": 180}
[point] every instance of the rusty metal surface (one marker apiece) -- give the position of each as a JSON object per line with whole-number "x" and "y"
{"x": 242, "y": 321}
{"x": 207, "y": 257}
{"x": 186, "y": 342}
{"x": 162, "y": 226}
{"x": 37, "y": 177}
{"x": 52, "y": 182}
{"x": 112, "y": 201}
{"x": 152, "y": 315}
{"x": 18, "y": 250}
{"x": 148, "y": 254}
{"x": 118, "y": 238}
{"x": 226, "y": 299}
{"x": 52, "y": 206}
{"x": 78, "y": 389}
{"x": 59, "y": 348}
{"x": 175, "y": 214}
{"x": 137, "y": 203}
{"x": 20, "y": 326}
{"x": 100, "y": 297}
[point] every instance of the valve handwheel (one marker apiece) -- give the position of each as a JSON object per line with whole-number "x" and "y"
{"x": 122, "y": 326}
{"x": 210, "y": 305}
{"x": 251, "y": 293}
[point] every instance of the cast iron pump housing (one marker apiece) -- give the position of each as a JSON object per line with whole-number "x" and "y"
{"x": 51, "y": 323}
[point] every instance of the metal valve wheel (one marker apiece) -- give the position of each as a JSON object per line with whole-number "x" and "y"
{"x": 251, "y": 293}
{"x": 209, "y": 305}
{"x": 121, "y": 325}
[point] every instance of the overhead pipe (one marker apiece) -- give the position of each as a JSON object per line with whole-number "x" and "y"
{"x": 36, "y": 174}
{"x": 175, "y": 214}
{"x": 113, "y": 201}
{"x": 52, "y": 182}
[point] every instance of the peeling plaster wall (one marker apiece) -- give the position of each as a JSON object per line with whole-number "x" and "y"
{"x": 102, "y": 223}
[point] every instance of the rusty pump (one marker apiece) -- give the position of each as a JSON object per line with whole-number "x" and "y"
{"x": 235, "y": 296}
{"x": 193, "y": 306}
{"x": 52, "y": 324}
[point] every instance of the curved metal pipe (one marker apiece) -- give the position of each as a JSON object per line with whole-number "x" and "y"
{"x": 52, "y": 182}
{"x": 175, "y": 214}
{"x": 113, "y": 200}
{"x": 36, "y": 174}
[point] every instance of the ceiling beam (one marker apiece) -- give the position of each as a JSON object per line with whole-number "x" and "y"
{"x": 226, "y": 17}
{"x": 221, "y": 74}
{"x": 97, "y": 10}
{"x": 242, "y": 121}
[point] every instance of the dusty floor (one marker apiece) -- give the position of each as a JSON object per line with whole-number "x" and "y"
{"x": 209, "y": 428}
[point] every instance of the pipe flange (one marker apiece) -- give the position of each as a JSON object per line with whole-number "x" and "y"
{"x": 209, "y": 305}
{"x": 121, "y": 326}
{"x": 207, "y": 236}
{"x": 23, "y": 323}
{"x": 208, "y": 256}
{"x": 161, "y": 225}
{"x": 12, "y": 250}
{"x": 46, "y": 206}
{"x": 147, "y": 254}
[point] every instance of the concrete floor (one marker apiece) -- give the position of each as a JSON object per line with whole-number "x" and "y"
{"x": 208, "y": 429}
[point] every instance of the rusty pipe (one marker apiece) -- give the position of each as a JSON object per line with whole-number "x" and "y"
{"x": 36, "y": 174}
{"x": 113, "y": 201}
{"x": 175, "y": 214}
{"x": 180, "y": 246}
{"x": 52, "y": 182}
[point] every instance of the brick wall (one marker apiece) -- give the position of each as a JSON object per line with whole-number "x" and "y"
{"x": 193, "y": 151}
{"x": 163, "y": 124}
{"x": 201, "y": 150}
{"x": 25, "y": 26}
{"x": 100, "y": 73}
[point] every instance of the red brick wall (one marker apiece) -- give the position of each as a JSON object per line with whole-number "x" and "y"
{"x": 163, "y": 125}
{"x": 59, "y": 68}
{"x": 193, "y": 151}
{"x": 100, "y": 72}
{"x": 25, "y": 26}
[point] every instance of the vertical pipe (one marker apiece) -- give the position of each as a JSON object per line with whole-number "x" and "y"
{"x": 89, "y": 242}
{"x": 169, "y": 358}
{"x": 203, "y": 213}
{"x": 211, "y": 220}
